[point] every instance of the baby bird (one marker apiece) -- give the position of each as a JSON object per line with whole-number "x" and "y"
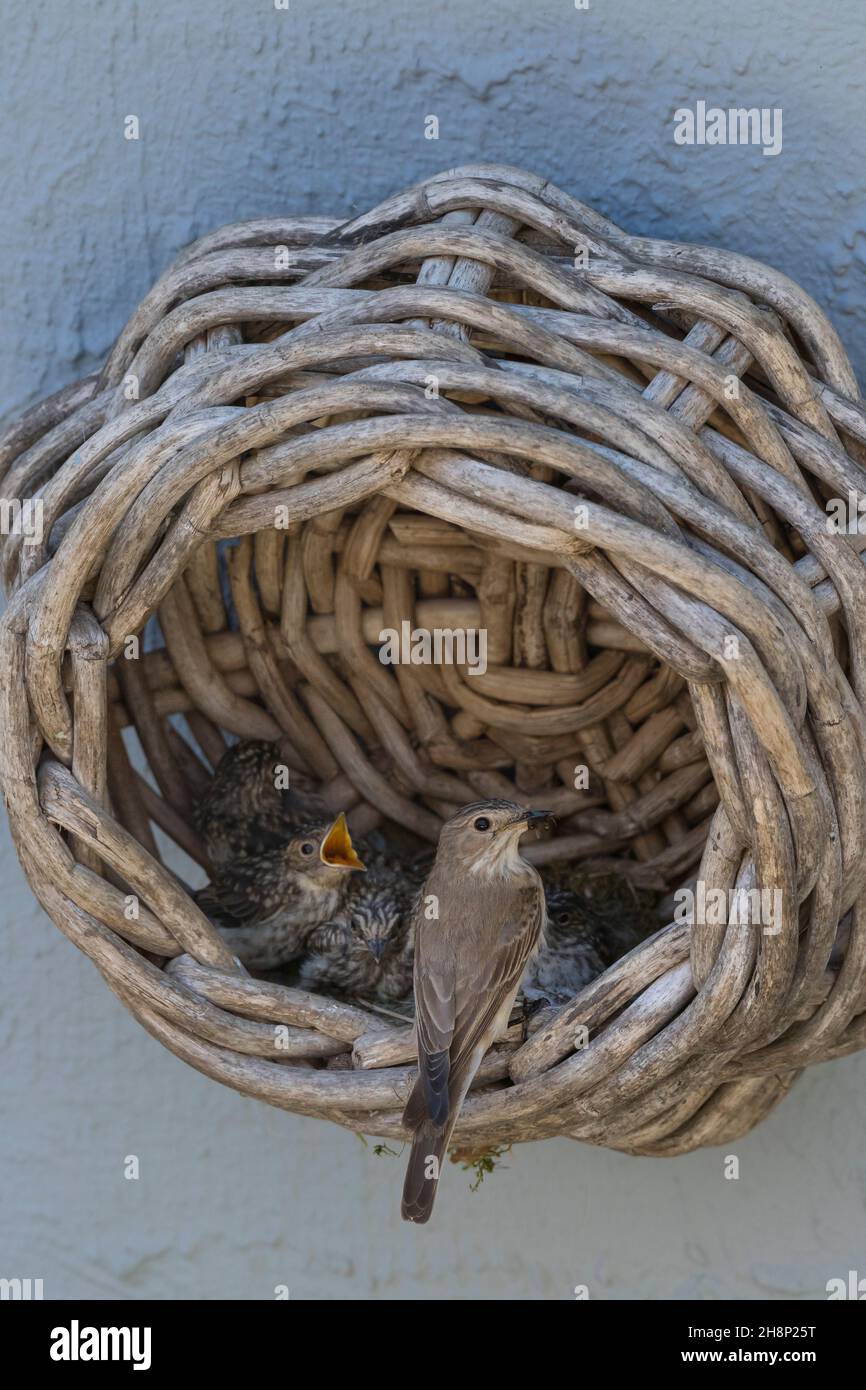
{"x": 254, "y": 802}
{"x": 267, "y": 904}
{"x": 618, "y": 917}
{"x": 366, "y": 950}
{"x": 570, "y": 956}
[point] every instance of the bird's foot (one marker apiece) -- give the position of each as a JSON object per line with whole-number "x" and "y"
{"x": 531, "y": 1006}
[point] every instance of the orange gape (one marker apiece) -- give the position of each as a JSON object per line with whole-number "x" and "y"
{"x": 337, "y": 847}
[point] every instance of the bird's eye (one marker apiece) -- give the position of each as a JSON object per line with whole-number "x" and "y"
{"x": 482, "y": 823}
{"x": 562, "y": 919}
{"x": 308, "y": 847}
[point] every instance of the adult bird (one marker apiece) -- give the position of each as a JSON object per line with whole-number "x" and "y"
{"x": 478, "y": 923}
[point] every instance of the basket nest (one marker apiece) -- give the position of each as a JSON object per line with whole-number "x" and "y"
{"x": 480, "y": 407}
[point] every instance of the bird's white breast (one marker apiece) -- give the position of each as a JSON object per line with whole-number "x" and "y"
{"x": 501, "y": 859}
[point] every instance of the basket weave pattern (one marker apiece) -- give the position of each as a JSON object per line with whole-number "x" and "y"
{"x": 479, "y": 406}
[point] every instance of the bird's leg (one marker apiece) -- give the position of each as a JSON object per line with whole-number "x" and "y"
{"x": 531, "y": 1007}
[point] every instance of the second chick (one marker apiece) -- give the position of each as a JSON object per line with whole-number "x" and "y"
{"x": 245, "y": 810}
{"x": 366, "y": 951}
{"x": 569, "y": 956}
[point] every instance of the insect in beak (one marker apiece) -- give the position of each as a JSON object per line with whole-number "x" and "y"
{"x": 337, "y": 848}
{"x": 535, "y": 820}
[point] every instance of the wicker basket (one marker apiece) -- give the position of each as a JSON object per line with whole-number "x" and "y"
{"x": 479, "y": 406}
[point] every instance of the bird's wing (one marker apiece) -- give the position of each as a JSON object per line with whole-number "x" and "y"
{"x": 265, "y": 832}
{"x": 456, "y": 1008}
{"x": 239, "y": 892}
{"x": 483, "y": 990}
{"x": 434, "y": 1020}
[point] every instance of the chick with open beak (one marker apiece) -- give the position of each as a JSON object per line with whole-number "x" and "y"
{"x": 267, "y": 904}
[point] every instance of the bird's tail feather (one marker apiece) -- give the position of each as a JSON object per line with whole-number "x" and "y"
{"x": 429, "y": 1144}
{"x": 416, "y": 1108}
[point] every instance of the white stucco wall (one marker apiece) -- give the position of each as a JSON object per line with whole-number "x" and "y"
{"x": 246, "y": 109}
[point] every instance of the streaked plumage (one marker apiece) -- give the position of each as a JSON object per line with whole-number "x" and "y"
{"x": 616, "y": 915}
{"x": 366, "y": 951}
{"x": 469, "y": 960}
{"x": 267, "y": 904}
{"x": 246, "y": 809}
{"x": 570, "y": 955}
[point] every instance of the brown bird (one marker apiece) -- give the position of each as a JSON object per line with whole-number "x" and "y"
{"x": 571, "y": 953}
{"x": 616, "y": 916}
{"x": 254, "y": 802}
{"x": 366, "y": 950}
{"x": 477, "y": 925}
{"x": 268, "y": 903}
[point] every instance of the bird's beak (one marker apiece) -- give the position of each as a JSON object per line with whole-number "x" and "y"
{"x": 337, "y": 848}
{"x": 376, "y": 948}
{"x": 535, "y": 820}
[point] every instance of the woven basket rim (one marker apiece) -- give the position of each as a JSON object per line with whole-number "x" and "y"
{"x": 616, "y": 455}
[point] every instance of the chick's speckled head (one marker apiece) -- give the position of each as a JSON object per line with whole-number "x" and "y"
{"x": 322, "y": 851}
{"x": 376, "y": 921}
{"x": 570, "y": 918}
{"x": 564, "y": 908}
{"x": 483, "y": 838}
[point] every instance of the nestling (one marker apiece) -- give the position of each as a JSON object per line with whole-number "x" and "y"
{"x": 613, "y": 914}
{"x": 366, "y": 950}
{"x": 477, "y": 925}
{"x": 267, "y": 904}
{"x": 569, "y": 956}
{"x": 254, "y": 802}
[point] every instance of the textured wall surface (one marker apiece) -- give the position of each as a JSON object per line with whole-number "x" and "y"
{"x": 247, "y": 109}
